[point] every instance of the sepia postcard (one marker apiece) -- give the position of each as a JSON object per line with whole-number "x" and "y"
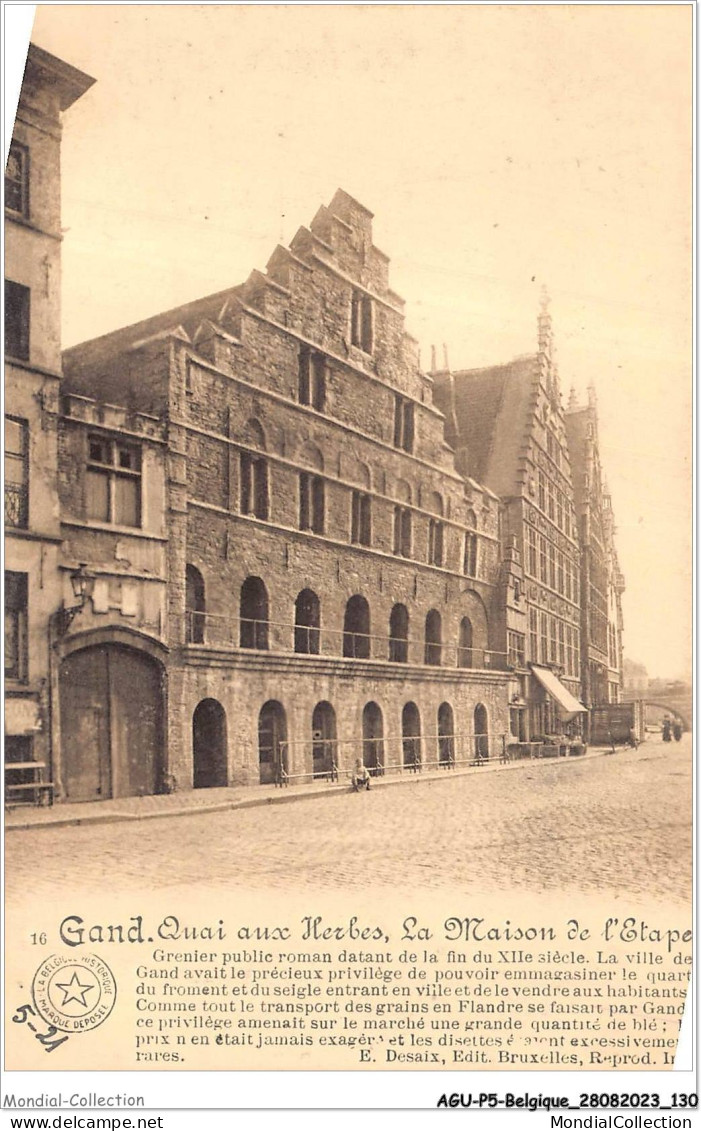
{"x": 348, "y": 560}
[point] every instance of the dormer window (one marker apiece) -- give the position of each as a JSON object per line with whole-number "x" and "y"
{"x": 362, "y": 321}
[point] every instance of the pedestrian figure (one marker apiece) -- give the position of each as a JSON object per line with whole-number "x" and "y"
{"x": 677, "y": 730}
{"x": 360, "y": 778}
{"x": 632, "y": 740}
{"x": 666, "y": 731}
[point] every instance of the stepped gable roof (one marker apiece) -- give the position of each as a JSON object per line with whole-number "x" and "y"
{"x": 184, "y": 320}
{"x": 493, "y": 408}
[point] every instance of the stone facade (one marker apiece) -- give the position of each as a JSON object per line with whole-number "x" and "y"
{"x": 507, "y": 426}
{"x": 602, "y": 581}
{"x": 335, "y": 586}
{"x": 33, "y": 585}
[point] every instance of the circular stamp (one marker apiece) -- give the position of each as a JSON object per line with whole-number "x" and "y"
{"x": 74, "y": 994}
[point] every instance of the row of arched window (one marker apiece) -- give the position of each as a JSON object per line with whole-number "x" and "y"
{"x": 323, "y": 753}
{"x": 356, "y": 640}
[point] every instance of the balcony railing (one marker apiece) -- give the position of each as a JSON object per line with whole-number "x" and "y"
{"x": 16, "y": 505}
{"x": 215, "y": 631}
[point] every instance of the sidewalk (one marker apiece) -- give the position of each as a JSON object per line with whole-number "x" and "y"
{"x": 197, "y": 801}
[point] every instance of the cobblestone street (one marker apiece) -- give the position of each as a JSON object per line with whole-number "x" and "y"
{"x": 619, "y": 824}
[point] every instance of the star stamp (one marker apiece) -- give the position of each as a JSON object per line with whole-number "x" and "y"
{"x": 74, "y": 995}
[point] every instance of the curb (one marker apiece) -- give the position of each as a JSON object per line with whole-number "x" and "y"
{"x": 282, "y": 798}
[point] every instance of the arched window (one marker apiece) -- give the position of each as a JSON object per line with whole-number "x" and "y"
{"x": 356, "y": 629}
{"x": 399, "y": 635}
{"x": 411, "y": 737}
{"x": 254, "y": 614}
{"x": 465, "y": 643}
{"x": 481, "y": 733}
{"x": 194, "y": 605}
{"x": 432, "y": 651}
{"x": 253, "y": 484}
{"x": 446, "y": 735}
{"x": 373, "y": 741}
{"x": 324, "y": 745}
{"x": 307, "y": 621}
{"x": 272, "y": 743}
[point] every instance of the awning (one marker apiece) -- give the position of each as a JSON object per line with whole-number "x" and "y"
{"x": 559, "y": 693}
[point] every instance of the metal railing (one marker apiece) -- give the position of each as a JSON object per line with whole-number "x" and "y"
{"x": 16, "y": 505}
{"x": 218, "y": 631}
{"x": 332, "y": 758}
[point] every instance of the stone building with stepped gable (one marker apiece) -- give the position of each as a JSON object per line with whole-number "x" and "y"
{"x": 325, "y": 583}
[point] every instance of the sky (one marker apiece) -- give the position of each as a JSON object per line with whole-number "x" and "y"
{"x": 500, "y": 148}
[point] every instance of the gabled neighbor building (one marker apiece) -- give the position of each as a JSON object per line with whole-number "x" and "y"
{"x": 325, "y": 583}
{"x": 507, "y": 426}
{"x": 35, "y": 587}
{"x": 602, "y": 583}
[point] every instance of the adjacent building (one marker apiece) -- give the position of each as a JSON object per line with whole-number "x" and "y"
{"x": 602, "y": 583}
{"x": 34, "y": 583}
{"x": 507, "y": 426}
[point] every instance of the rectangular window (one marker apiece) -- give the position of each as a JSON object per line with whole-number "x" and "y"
{"x": 561, "y": 643}
{"x": 435, "y": 542}
{"x": 253, "y": 486}
{"x": 560, "y": 573}
{"x": 553, "y": 640}
{"x": 541, "y": 491}
{"x": 17, "y": 315}
{"x": 362, "y": 320}
{"x": 402, "y": 532}
{"x": 516, "y": 649}
{"x": 543, "y": 555}
{"x": 361, "y": 526}
{"x": 552, "y": 577}
{"x": 533, "y": 634}
{"x": 312, "y": 378}
{"x": 113, "y": 482}
{"x": 17, "y": 180}
{"x": 403, "y": 424}
{"x": 311, "y": 503}
{"x": 543, "y": 643}
{"x": 470, "y": 555}
{"x": 15, "y": 625}
{"x": 531, "y": 552}
{"x": 16, "y": 472}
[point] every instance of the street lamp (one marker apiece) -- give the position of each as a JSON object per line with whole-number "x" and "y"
{"x": 82, "y": 583}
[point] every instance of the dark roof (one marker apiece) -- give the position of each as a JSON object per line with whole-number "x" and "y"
{"x": 188, "y": 317}
{"x": 493, "y": 408}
